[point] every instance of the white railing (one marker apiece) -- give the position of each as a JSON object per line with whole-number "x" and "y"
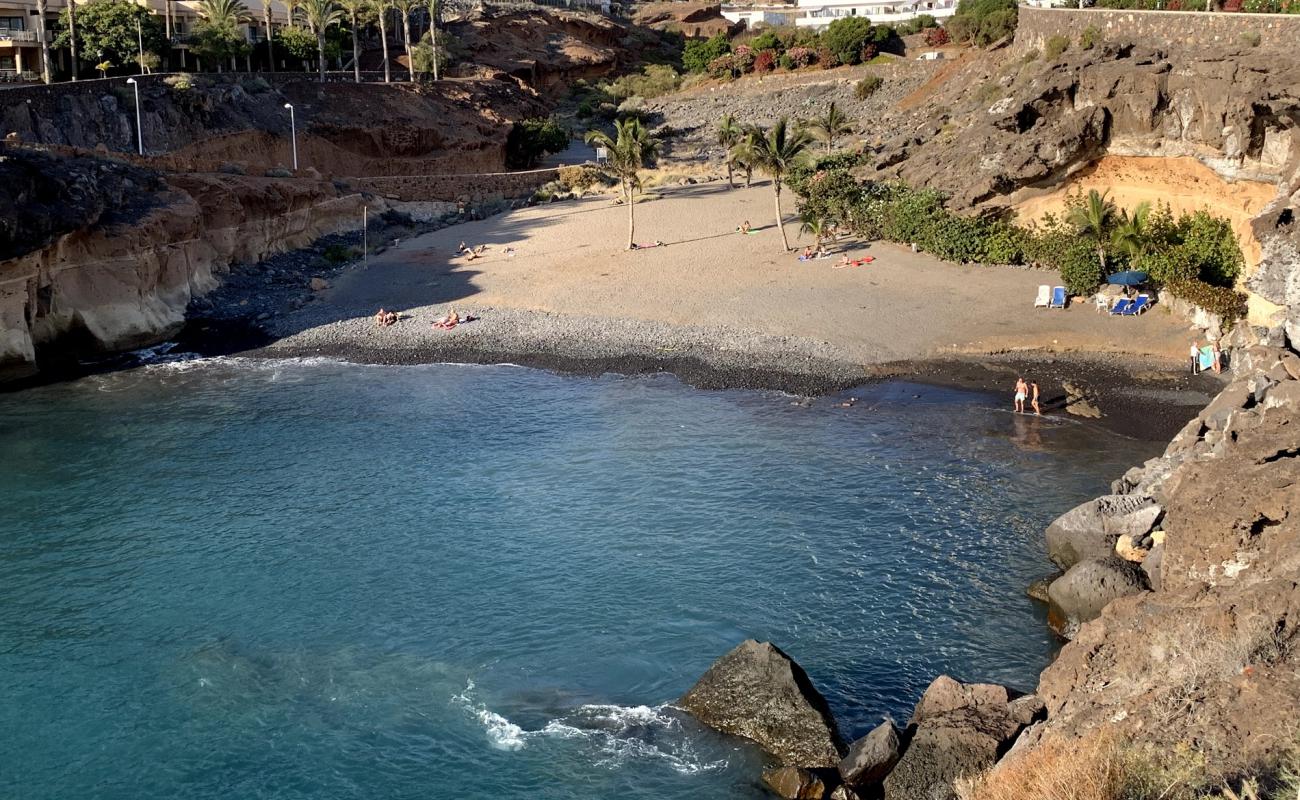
{"x": 17, "y": 36}
{"x": 820, "y": 17}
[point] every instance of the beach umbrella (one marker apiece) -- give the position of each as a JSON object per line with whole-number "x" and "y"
{"x": 1129, "y": 277}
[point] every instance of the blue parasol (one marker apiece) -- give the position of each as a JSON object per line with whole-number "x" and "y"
{"x": 1129, "y": 277}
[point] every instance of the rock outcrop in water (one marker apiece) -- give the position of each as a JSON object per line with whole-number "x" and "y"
{"x": 758, "y": 692}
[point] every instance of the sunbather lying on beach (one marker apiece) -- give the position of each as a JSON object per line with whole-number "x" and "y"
{"x": 853, "y": 262}
{"x": 655, "y": 243}
{"x": 448, "y": 322}
{"x": 744, "y": 227}
{"x": 463, "y": 249}
{"x": 385, "y": 318}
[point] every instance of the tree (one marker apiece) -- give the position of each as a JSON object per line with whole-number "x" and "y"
{"x": 530, "y": 139}
{"x": 829, "y": 126}
{"x": 45, "y": 45}
{"x": 405, "y": 7}
{"x": 847, "y": 36}
{"x": 742, "y": 153}
{"x": 729, "y": 135}
{"x": 699, "y": 52}
{"x": 297, "y": 42}
{"x": 434, "y": 8}
{"x": 320, "y": 15}
{"x": 819, "y": 228}
{"x": 382, "y": 7}
{"x": 776, "y": 152}
{"x": 355, "y": 10}
{"x": 217, "y": 36}
{"x": 1093, "y": 219}
{"x": 106, "y": 29}
{"x": 1131, "y": 232}
{"x": 630, "y": 149}
{"x": 983, "y": 21}
{"x": 270, "y": 44}
{"x": 291, "y": 11}
{"x": 72, "y": 38}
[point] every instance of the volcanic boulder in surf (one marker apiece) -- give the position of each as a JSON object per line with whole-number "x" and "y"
{"x": 759, "y": 692}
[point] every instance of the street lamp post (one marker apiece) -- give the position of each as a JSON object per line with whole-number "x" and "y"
{"x": 293, "y": 135}
{"x": 139, "y": 131}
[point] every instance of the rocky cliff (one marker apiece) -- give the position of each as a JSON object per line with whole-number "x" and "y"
{"x": 110, "y": 256}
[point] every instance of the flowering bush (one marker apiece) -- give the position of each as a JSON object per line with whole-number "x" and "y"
{"x": 722, "y": 67}
{"x": 826, "y": 58}
{"x": 743, "y": 58}
{"x": 936, "y": 37}
{"x": 801, "y": 56}
{"x": 868, "y": 52}
{"x": 765, "y": 61}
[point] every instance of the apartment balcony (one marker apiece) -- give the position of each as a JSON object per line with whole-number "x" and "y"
{"x": 821, "y": 17}
{"x": 17, "y": 37}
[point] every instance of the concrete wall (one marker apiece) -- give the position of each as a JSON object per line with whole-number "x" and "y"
{"x": 1162, "y": 28}
{"x": 472, "y": 188}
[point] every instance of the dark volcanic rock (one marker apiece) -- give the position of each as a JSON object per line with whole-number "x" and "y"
{"x": 960, "y": 730}
{"x": 1085, "y": 589}
{"x": 872, "y": 757}
{"x": 759, "y": 692}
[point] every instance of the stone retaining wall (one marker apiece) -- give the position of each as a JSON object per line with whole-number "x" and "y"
{"x": 1162, "y": 28}
{"x": 472, "y": 188}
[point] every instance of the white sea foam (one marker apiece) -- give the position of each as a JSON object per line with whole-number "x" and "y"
{"x": 614, "y": 734}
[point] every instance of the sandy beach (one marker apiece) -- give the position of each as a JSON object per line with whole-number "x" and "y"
{"x": 715, "y": 306}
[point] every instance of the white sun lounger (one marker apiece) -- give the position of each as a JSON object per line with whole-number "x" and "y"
{"x": 1044, "y": 296}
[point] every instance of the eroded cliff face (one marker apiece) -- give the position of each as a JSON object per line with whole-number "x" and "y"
{"x": 107, "y": 281}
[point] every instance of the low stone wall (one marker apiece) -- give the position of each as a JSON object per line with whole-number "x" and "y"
{"x": 471, "y": 188}
{"x": 1162, "y": 28}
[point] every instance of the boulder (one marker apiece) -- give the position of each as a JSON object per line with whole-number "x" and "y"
{"x": 1151, "y": 565}
{"x": 319, "y": 284}
{"x": 1234, "y": 397}
{"x": 1283, "y": 395}
{"x": 1038, "y": 589}
{"x": 959, "y": 730}
{"x": 1091, "y": 529}
{"x": 872, "y": 757}
{"x": 795, "y": 783}
{"x": 1129, "y": 549}
{"x": 758, "y": 692}
{"x": 1086, "y": 588}
{"x": 844, "y": 793}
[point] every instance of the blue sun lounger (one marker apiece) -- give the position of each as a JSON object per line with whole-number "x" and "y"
{"x": 1137, "y": 306}
{"x": 1058, "y": 297}
{"x": 1121, "y": 307}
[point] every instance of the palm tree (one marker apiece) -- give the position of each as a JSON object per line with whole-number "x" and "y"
{"x": 224, "y": 14}
{"x": 382, "y": 7}
{"x": 72, "y": 36}
{"x": 830, "y": 126}
{"x": 819, "y": 228}
{"x": 354, "y": 9}
{"x": 776, "y": 152}
{"x": 45, "y": 45}
{"x": 729, "y": 135}
{"x": 405, "y": 7}
{"x": 1131, "y": 232}
{"x": 291, "y": 11}
{"x": 270, "y": 39}
{"x": 629, "y": 150}
{"x": 742, "y": 153}
{"x": 434, "y": 8}
{"x": 320, "y": 15}
{"x": 1093, "y": 220}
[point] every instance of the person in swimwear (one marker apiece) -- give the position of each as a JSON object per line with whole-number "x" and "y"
{"x": 807, "y": 254}
{"x": 1033, "y": 398}
{"x": 1022, "y": 391}
{"x": 744, "y": 227}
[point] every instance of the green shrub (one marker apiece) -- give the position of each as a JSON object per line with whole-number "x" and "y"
{"x": 339, "y": 254}
{"x": 255, "y": 85}
{"x": 1089, "y": 38}
{"x": 767, "y": 40}
{"x": 580, "y": 177}
{"x": 1228, "y": 304}
{"x": 785, "y": 62}
{"x": 1030, "y": 56}
{"x": 1250, "y": 38}
{"x": 1056, "y": 45}
{"x": 988, "y": 92}
{"x": 530, "y": 139}
{"x": 654, "y": 81}
{"x": 699, "y": 52}
{"x": 847, "y": 37}
{"x": 983, "y": 22}
{"x": 1080, "y": 270}
{"x": 181, "y": 81}
{"x": 868, "y": 86}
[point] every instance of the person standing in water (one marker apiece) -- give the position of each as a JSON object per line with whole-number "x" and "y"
{"x": 1022, "y": 391}
{"x": 1033, "y": 398}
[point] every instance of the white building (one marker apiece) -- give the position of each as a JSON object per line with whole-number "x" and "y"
{"x": 757, "y": 15}
{"x": 820, "y": 13}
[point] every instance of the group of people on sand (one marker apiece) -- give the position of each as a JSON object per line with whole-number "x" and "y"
{"x": 471, "y": 252}
{"x": 809, "y": 253}
{"x": 384, "y": 318}
{"x": 1205, "y": 357}
{"x": 1027, "y": 390}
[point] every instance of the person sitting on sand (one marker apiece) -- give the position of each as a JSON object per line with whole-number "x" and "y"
{"x": 472, "y": 255}
{"x": 480, "y": 249}
{"x": 448, "y": 322}
{"x": 463, "y": 249}
{"x": 385, "y": 318}
{"x": 744, "y": 227}
{"x": 807, "y": 254}
{"x": 1022, "y": 391}
{"x": 1033, "y": 398}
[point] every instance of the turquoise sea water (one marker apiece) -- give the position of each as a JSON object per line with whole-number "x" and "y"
{"x": 235, "y": 579}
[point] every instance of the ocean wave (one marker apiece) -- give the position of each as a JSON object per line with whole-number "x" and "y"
{"x": 614, "y": 734}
